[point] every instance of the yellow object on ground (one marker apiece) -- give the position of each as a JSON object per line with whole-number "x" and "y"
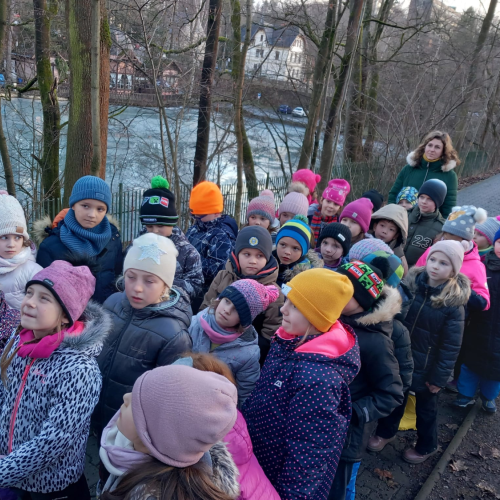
{"x": 409, "y": 420}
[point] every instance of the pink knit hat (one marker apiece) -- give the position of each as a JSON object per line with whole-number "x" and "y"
{"x": 359, "y": 210}
{"x": 294, "y": 203}
{"x": 308, "y": 177}
{"x": 337, "y": 191}
{"x": 72, "y": 286}
{"x": 180, "y": 412}
{"x": 262, "y": 205}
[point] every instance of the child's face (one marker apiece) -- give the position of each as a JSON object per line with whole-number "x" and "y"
{"x": 481, "y": 240}
{"x": 353, "y": 226}
{"x": 251, "y": 260}
{"x": 288, "y": 250}
{"x": 10, "y": 245}
{"x": 89, "y": 213}
{"x": 426, "y": 205}
{"x": 331, "y": 250}
{"x": 143, "y": 289}
{"x": 496, "y": 248}
{"x": 161, "y": 230}
{"x": 329, "y": 208}
{"x": 293, "y": 322}
{"x": 439, "y": 268}
{"x": 258, "y": 220}
{"x": 385, "y": 230}
{"x": 226, "y": 314}
{"x": 406, "y": 204}
{"x": 125, "y": 422}
{"x": 285, "y": 217}
{"x": 40, "y": 312}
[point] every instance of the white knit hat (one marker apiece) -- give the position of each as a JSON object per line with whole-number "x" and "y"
{"x": 12, "y": 219}
{"x": 153, "y": 254}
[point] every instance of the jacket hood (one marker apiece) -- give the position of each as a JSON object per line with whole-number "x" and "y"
{"x": 224, "y": 470}
{"x": 311, "y": 260}
{"x": 411, "y": 160}
{"x": 265, "y": 276}
{"x": 396, "y": 214}
{"x": 416, "y": 280}
{"x": 224, "y": 222}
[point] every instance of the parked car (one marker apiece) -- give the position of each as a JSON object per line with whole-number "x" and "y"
{"x": 285, "y": 109}
{"x": 298, "y": 112}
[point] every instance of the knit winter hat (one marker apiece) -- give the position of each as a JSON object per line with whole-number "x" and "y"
{"x": 298, "y": 229}
{"x": 396, "y": 270}
{"x": 461, "y": 221}
{"x": 489, "y": 228}
{"x": 294, "y": 203}
{"x": 263, "y": 205}
{"x": 408, "y": 193}
{"x": 360, "y": 211}
{"x": 153, "y": 254}
{"x": 435, "y": 189}
{"x": 206, "y": 198}
{"x": 367, "y": 246}
{"x": 375, "y": 197}
{"x": 454, "y": 250}
{"x": 323, "y": 309}
{"x": 337, "y": 191}
{"x": 158, "y": 204}
{"x": 72, "y": 286}
{"x": 497, "y": 236}
{"x": 250, "y": 298}
{"x": 90, "y": 187}
{"x": 254, "y": 237}
{"x": 12, "y": 219}
{"x": 339, "y": 233}
{"x": 307, "y": 177}
{"x": 180, "y": 412}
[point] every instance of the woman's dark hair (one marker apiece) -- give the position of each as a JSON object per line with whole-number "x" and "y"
{"x": 449, "y": 152}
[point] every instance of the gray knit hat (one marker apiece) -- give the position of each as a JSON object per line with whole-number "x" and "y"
{"x": 489, "y": 228}
{"x": 461, "y": 222}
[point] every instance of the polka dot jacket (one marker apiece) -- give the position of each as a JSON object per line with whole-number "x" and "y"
{"x": 298, "y": 415}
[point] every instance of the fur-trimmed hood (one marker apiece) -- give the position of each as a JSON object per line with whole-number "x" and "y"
{"x": 311, "y": 261}
{"x": 446, "y": 167}
{"x": 386, "y": 308}
{"x": 416, "y": 280}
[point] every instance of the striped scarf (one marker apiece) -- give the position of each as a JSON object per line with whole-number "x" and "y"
{"x": 317, "y": 222}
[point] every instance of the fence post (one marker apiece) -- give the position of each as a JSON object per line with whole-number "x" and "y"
{"x": 267, "y": 180}
{"x": 120, "y": 204}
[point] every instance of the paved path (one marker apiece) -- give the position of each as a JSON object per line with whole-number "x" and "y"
{"x": 484, "y": 194}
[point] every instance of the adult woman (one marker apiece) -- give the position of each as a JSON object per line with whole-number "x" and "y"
{"x": 435, "y": 158}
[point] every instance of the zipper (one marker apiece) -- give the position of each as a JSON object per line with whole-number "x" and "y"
{"x": 427, "y": 357}
{"x": 16, "y": 405}
{"x": 419, "y": 311}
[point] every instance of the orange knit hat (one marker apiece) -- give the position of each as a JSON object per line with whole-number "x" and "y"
{"x": 206, "y": 198}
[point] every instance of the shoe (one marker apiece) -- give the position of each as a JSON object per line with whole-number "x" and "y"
{"x": 489, "y": 405}
{"x": 413, "y": 457}
{"x": 376, "y": 443}
{"x": 452, "y": 386}
{"x": 463, "y": 401}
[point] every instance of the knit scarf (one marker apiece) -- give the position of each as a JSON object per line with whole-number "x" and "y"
{"x": 8, "y": 265}
{"x": 430, "y": 161}
{"x": 492, "y": 261}
{"x": 84, "y": 242}
{"x": 484, "y": 252}
{"x": 214, "y": 332}
{"x": 316, "y": 221}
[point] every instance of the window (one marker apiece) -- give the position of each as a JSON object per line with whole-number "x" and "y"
{"x": 255, "y": 66}
{"x": 299, "y": 59}
{"x": 277, "y": 55}
{"x": 262, "y": 53}
{"x": 261, "y": 38}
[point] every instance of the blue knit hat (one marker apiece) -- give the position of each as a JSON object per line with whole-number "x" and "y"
{"x": 90, "y": 188}
{"x": 409, "y": 194}
{"x": 497, "y": 236}
{"x": 298, "y": 229}
{"x": 395, "y": 273}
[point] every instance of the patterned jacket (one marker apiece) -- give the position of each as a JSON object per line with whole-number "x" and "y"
{"x": 9, "y": 321}
{"x": 44, "y": 438}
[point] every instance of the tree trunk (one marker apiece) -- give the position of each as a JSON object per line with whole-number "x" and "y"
{"x": 206, "y": 82}
{"x": 95, "y": 166}
{"x": 79, "y": 143}
{"x": 8, "y": 44}
{"x": 104, "y": 86}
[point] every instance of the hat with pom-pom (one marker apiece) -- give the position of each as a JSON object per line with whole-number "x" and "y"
{"x": 263, "y": 205}
{"x": 12, "y": 219}
{"x": 462, "y": 220}
{"x": 294, "y": 203}
{"x": 454, "y": 250}
{"x": 250, "y": 298}
{"x": 158, "y": 204}
{"x": 298, "y": 229}
{"x": 307, "y": 177}
{"x": 337, "y": 191}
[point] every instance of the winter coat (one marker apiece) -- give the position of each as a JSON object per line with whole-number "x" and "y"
{"x": 268, "y": 321}
{"x": 48, "y": 435}
{"x": 15, "y": 273}
{"x": 474, "y": 269}
{"x": 436, "y": 326}
{"x": 9, "y": 321}
{"x": 401, "y": 339}
{"x": 287, "y": 272}
{"x": 241, "y": 355}
{"x": 377, "y": 389}
{"x": 298, "y": 413}
{"x": 109, "y": 261}
{"x": 254, "y": 484}
{"x": 416, "y": 173}
{"x": 423, "y": 229}
{"x": 481, "y": 345}
{"x": 118, "y": 456}
{"x": 140, "y": 340}
{"x": 398, "y": 217}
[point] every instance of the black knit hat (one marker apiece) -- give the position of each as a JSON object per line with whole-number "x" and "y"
{"x": 375, "y": 197}
{"x": 435, "y": 189}
{"x": 254, "y": 237}
{"x": 158, "y": 204}
{"x": 339, "y": 232}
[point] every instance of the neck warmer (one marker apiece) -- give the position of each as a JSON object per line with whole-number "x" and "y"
{"x": 214, "y": 332}
{"x": 492, "y": 261}
{"x": 430, "y": 161}
{"x": 485, "y": 251}
{"x": 84, "y": 242}
{"x": 316, "y": 221}
{"x": 8, "y": 265}
{"x": 46, "y": 346}
{"x": 332, "y": 265}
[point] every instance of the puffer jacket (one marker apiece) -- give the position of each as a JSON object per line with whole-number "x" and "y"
{"x": 56, "y": 395}
{"x": 423, "y": 229}
{"x": 286, "y": 272}
{"x": 140, "y": 340}
{"x": 109, "y": 261}
{"x": 241, "y": 355}
{"x": 401, "y": 338}
{"x": 298, "y": 413}
{"x": 436, "y": 326}
{"x": 9, "y": 321}
{"x": 268, "y": 321}
{"x": 254, "y": 484}
{"x": 399, "y": 216}
{"x": 377, "y": 389}
{"x": 15, "y": 273}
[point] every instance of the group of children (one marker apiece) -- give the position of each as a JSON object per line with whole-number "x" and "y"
{"x": 310, "y": 322}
